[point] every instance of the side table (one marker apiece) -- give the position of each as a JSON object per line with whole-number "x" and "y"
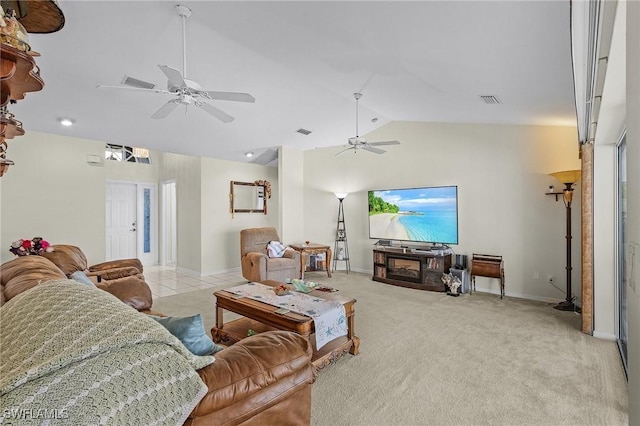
{"x": 487, "y": 265}
{"x": 309, "y": 249}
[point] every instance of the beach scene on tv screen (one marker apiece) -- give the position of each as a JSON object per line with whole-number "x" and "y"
{"x": 417, "y": 214}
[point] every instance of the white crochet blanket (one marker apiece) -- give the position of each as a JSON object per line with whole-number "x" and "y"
{"x": 72, "y": 354}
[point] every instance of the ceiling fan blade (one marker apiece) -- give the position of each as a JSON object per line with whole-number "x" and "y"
{"x": 136, "y": 89}
{"x": 217, "y": 113}
{"x": 136, "y": 82}
{"x": 231, "y": 96}
{"x": 384, "y": 143}
{"x": 372, "y": 149}
{"x": 166, "y": 109}
{"x": 343, "y": 151}
{"x": 174, "y": 76}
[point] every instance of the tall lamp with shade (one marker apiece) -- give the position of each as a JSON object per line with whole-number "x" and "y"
{"x": 568, "y": 178}
{"x": 341, "y": 248}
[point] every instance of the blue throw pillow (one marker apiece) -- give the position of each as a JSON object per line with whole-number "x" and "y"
{"x": 81, "y": 277}
{"x": 190, "y": 331}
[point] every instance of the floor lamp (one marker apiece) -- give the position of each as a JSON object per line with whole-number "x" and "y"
{"x": 341, "y": 247}
{"x": 568, "y": 178}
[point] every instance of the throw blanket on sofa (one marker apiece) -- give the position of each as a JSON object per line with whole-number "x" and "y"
{"x": 72, "y": 354}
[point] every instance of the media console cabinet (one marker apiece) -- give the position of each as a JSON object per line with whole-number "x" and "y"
{"x": 410, "y": 268}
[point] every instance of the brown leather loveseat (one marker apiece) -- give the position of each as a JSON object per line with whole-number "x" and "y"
{"x": 123, "y": 277}
{"x": 264, "y": 379}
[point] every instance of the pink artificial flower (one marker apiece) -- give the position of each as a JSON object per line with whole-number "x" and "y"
{"x": 26, "y": 244}
{"x": 44, "y": 244}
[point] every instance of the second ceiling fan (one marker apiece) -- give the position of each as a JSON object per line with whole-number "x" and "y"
{"x": 186, "y": 91}
{"x": 356, "y": 143}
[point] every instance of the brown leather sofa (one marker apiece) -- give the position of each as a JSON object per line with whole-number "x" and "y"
{"x": 123, "y": 278}
{"x": 264, "y": 379}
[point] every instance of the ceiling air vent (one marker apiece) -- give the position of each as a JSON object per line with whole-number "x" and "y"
{"x": 134, "y": 82}
{"x": 304, "y": 131}
{"x": 266, "y": 157}
{"x": 490, "y": 99}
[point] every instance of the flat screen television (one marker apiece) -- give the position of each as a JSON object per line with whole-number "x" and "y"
{"x": 427, "y": 215}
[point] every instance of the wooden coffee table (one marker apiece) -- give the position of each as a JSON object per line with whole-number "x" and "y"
{"x": 260, "y": 317}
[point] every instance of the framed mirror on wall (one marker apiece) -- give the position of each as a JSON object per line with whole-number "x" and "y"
{"x": 249, "y": 197}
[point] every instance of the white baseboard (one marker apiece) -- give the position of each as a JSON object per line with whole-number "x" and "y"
{"x": 605, "y": 335}
{"x": 205, "y": 273}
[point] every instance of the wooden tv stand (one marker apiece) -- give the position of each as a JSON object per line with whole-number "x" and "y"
{"x": 420, "y": 269}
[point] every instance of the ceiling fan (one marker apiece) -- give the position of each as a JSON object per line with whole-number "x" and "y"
{"x": 186, "y": 91}
{"x": 356, "y": 143}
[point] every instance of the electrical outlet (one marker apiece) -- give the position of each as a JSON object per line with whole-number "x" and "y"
{"x": 550, "y": 279}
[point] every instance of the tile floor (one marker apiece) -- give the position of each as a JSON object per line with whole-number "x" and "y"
{"x": 165, "y": 281}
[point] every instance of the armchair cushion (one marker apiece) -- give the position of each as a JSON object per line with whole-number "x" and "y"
{"x": 131, "y": 290}
{"x": 130, "y": 264}
{"x": 254, "y": 375}
{"x": 25, "y": 272}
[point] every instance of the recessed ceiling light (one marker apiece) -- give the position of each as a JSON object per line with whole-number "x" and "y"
{"x": 248, "y": 154}
{"x": 66, "y": 121}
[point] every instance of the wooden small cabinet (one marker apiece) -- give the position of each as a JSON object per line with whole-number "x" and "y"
{"x": 409, "y": 268}
{"x": 487, "y": 265}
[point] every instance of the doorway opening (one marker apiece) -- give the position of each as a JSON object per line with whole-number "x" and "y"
{"x": 169, "y": 224}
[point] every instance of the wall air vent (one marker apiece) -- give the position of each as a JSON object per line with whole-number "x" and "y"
{"x": 490, "y": 99}
{"x": 304, "y": 131}
{"x": 134, "y": 82}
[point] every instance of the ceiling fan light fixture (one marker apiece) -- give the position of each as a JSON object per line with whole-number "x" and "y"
{"x": 187, "y": 92}
{"x": 355, "y": 143}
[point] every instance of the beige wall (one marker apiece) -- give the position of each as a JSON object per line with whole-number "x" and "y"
{"x": 291, "y": 188}
{"x": 220, "y": 232}
{"x": 604, "y": 240}
{"x": 633, "y": 179}
{"x": 52, "y": 192}
{"x": 186, "y": 170}
{"x": 502, "y": 175}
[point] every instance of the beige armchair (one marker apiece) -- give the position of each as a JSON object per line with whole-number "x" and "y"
{"x": 257, "y": 266}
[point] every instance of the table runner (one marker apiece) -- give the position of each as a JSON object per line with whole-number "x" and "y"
{"x": 329, "y": 317}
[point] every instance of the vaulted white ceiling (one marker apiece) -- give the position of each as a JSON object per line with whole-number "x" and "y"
{"x": 302, "y": 61}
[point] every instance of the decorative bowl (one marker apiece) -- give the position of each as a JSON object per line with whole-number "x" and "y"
{"x": 281, "y": 291}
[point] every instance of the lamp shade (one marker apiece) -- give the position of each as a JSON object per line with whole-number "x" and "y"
{"x": 567, "y": 176}
{"x": 341, "y": 195}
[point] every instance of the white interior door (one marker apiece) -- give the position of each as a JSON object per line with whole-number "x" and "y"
{"x": 121, "y": 221}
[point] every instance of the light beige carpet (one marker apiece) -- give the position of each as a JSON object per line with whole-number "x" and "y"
{"x": 431, "y": 359}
